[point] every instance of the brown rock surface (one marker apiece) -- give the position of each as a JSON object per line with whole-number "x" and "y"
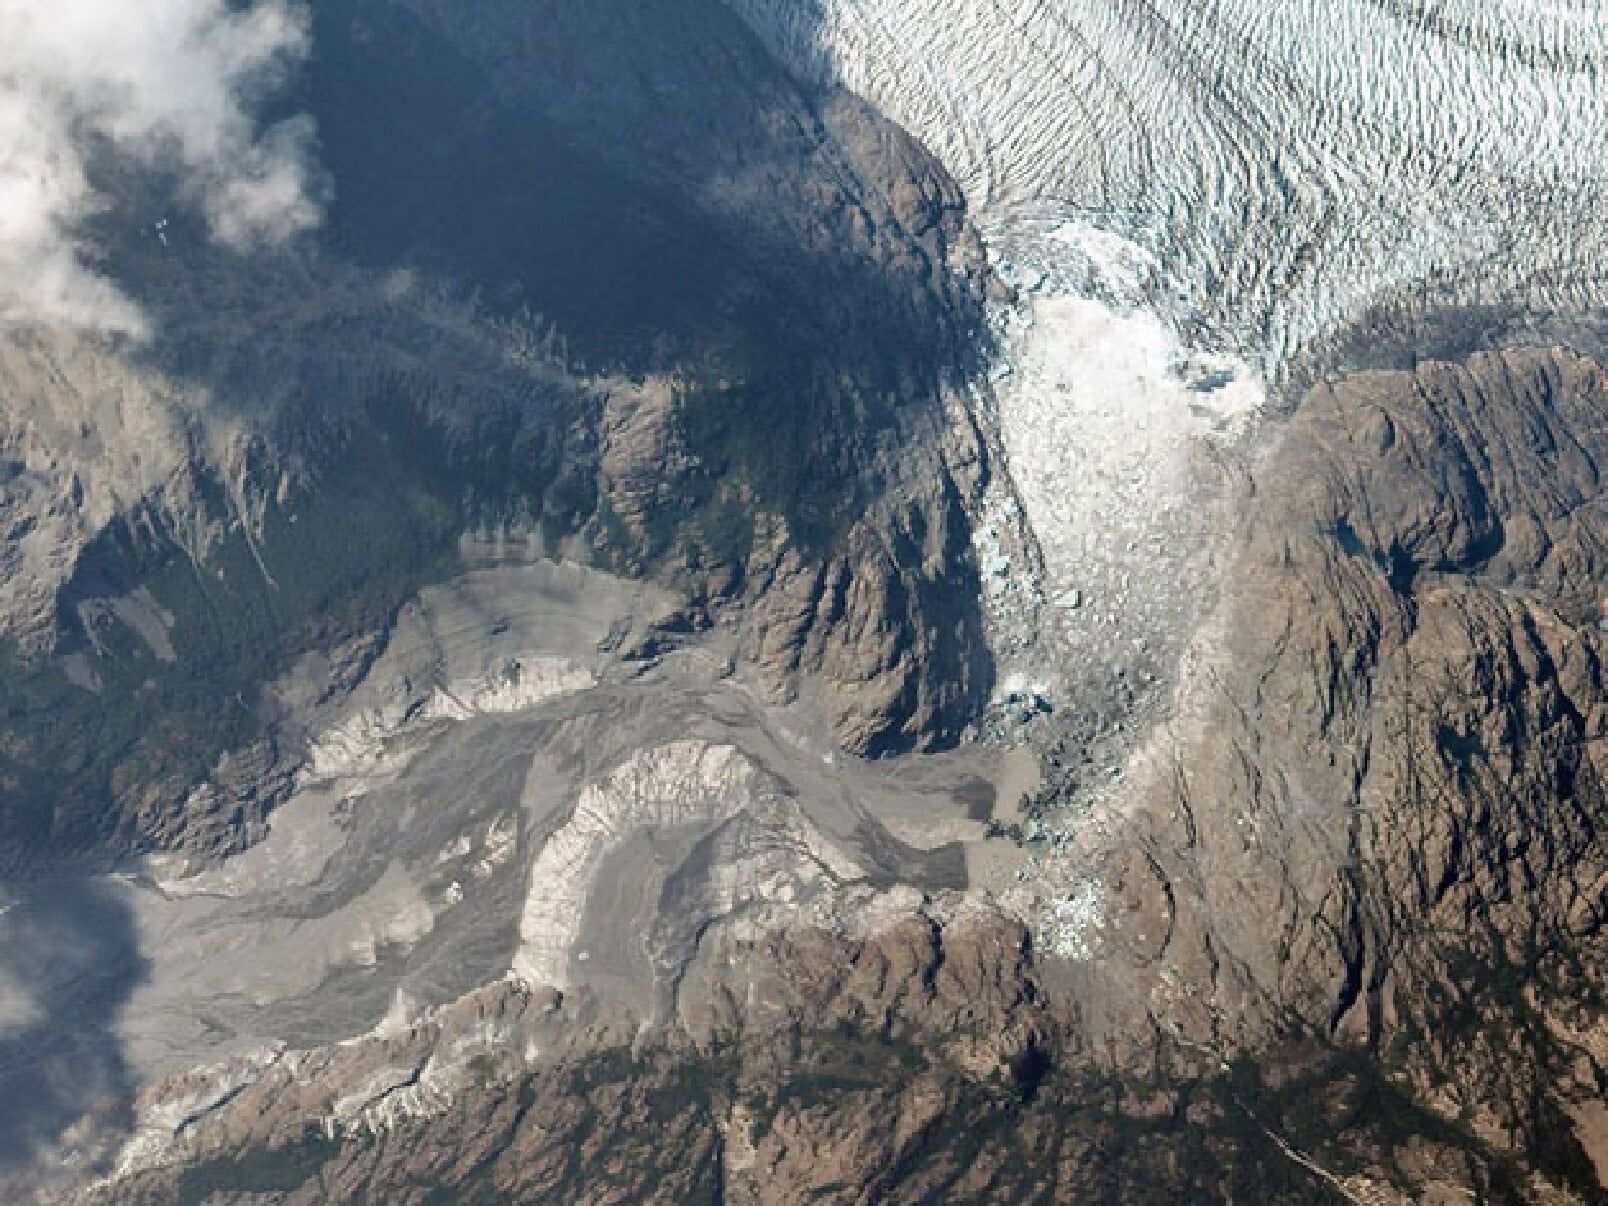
{"x": 1352, "y": 946}
{"x": 1380, "y": 817}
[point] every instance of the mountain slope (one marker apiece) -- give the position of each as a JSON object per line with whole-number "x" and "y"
{"x": 1342, "y": 936}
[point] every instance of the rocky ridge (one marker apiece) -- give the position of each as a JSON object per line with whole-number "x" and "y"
{"x": 310, "y": 433}
{"x": 1339, "y": 938}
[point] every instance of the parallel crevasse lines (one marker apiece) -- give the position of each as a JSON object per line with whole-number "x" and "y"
{"x": 1290, "y": 165}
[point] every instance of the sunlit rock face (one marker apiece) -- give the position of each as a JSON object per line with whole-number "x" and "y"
{"x": 1282, "y": 167}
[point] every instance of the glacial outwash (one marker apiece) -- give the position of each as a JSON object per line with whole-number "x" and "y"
{"x": 777, "y": 601}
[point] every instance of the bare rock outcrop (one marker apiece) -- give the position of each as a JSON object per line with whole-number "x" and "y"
{"x": 1347, "y": 938}
{"x": 1376, "y": 817}
{"x": 770, "y": 420}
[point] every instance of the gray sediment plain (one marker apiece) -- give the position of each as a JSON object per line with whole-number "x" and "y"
{"x": 512, "y": 789}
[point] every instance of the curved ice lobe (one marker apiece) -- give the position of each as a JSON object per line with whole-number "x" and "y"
{"x": 366, "y": 743}
{"x": 1287, "y": 166}
{"x": 684, "y": 785}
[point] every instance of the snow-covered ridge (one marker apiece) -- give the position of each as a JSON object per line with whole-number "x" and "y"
{"x": 1282, "y": 166}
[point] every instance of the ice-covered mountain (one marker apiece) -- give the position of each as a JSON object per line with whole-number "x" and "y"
{"x": 1205, "y": 206}
{"x": 815, "y": 600}
{"x": 1260, "y": 175}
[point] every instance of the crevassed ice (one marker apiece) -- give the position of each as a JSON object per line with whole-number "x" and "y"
{"x": 1285, "y": 164}
{"x": 1192, "y": 196}
{"x": 1103, "y": 424}
{"x": 683, "y": 783}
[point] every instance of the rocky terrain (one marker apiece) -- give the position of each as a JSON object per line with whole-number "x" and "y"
{"x": 1340, "y": 936}
{"x": 184, "y": 494}
{"x": 766, "y": 613}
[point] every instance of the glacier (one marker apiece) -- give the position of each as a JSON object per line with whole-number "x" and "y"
{"x": 1196, "y": 202}
{"x": 1284, "y": 167}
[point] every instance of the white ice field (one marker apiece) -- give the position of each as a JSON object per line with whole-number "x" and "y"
{"x": 1192, "y": 195}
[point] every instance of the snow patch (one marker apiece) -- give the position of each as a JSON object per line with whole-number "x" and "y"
{"x": 162, "y": 1122}
{"x": 1070, "y": 927}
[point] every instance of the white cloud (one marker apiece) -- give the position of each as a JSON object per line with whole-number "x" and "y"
{"x": 166, "y": 83}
